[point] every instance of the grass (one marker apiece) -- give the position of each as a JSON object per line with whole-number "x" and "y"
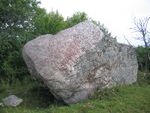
{"x": 122, "y": 99}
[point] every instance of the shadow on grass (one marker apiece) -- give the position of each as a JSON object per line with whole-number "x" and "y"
{"x": 33, "y": 94}
{"x": 40, "y": 97}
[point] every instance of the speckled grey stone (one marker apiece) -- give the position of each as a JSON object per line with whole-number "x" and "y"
{"x": 12, "y": 100}
{"x": 77, "y": 61}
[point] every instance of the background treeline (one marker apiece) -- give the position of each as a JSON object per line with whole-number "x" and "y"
{"x": 21, "y": 21}
{"x": 143, "y": 58}
{"x": 24, "y": 20}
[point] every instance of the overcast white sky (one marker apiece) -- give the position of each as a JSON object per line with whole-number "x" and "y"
{"x": 116, "y": 15}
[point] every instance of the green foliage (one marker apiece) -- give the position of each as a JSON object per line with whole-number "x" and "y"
{"x": 14, "y": 69}
{"x": 143, "y": 61}
{"x": 15, "y": 24}
{"x": 16, "y": 13}
{"x": 56, "y": 22}
{"x": 76, "y": 18}
{"x": 48, "y": 23}
{"x": 143, "y": 78}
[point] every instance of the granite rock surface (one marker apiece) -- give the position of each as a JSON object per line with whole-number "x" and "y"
{"x": 12, "y": 100}
{"x": 77, "y": 61}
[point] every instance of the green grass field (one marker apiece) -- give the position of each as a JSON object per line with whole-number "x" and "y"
{"x": 133, "y": 98}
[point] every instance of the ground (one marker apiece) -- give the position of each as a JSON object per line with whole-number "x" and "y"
{"x": 133, "y": 98}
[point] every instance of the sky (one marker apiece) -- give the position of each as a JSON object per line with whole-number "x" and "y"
{"x": 116, "y": 15}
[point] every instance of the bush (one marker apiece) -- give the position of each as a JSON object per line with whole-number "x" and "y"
{"x": 14, "y": 67}
{"x": 143, "y": 61}
{"x": 143, "y": 78}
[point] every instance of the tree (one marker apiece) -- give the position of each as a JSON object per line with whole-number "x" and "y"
{"x": 50, "y": 23}
{"x": 141, "y": 27}
{"x": 76, "y": 18}
{"x": 16, "y": 14}
{"x": 15, "y": 21}
{"x": 142, "y": 62}
{"x": 15, "y": 26}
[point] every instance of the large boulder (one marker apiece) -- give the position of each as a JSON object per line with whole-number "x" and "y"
{"x": 77, "y": 61}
